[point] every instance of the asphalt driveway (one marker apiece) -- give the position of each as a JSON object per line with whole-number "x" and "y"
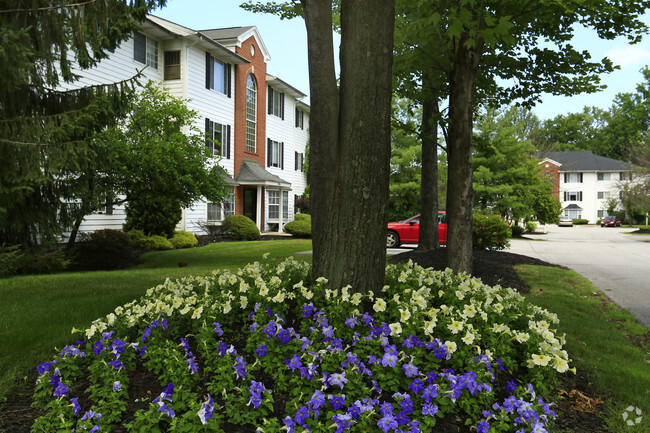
{"x": 615, "y": 261}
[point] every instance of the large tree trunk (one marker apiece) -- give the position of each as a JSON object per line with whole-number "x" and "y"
{"x": 350, "y": 141}
{"x": 429, "y": 180}
{"x": 460, "y": 195}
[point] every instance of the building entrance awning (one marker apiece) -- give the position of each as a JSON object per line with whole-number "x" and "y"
{"x": 252, "y": 173}
{"x": 573, "y": 207}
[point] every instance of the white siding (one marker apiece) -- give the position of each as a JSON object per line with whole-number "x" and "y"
{"x": 590, "y": 187}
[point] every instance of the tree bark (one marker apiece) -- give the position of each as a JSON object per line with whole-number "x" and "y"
{"x": 429, "y": 181}
{"x": 350, "y": 141}
{"x": 460, "y": 195}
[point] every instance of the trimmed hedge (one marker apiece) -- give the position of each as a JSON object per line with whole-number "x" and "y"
{"x": 300, "y": 227}
{"x": 241, "y": 228}
{"x": 517, "y": 231}
{"x": 580, "y": 221}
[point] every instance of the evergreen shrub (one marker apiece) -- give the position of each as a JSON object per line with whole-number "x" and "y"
{"x": 300, "y": 227}
{"x": 517, "y": 231}
{"x": 530, "y": 226}
{"x": 580, "y": 221}
{"x": 241, "y": 228}
{"x": 44, "y": 263}
{"x": 490, "y": 232}
{"x": 10, "y": 256}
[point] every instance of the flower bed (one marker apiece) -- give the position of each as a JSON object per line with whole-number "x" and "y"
{"x": 260, "y": 350}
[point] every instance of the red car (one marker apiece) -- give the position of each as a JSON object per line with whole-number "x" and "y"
{"x": 408, "y": 231}
{"x": 610, "y": 221}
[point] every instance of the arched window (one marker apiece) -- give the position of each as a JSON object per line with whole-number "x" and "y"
{"x": 251, "y": 114}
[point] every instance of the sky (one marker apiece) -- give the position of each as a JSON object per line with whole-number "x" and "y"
{"x": 286, "y": 41}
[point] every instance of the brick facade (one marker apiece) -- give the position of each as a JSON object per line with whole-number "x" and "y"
{"x": 256, "y": 68}
{"x": 552, "y": 170}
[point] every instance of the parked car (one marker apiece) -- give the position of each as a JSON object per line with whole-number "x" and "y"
{"x": 408, "y": 231}
{"x": 565, "y": 221}
{"x": 610, "y": 221}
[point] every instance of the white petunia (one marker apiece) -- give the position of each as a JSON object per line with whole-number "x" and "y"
{"x": 379, "y": 306}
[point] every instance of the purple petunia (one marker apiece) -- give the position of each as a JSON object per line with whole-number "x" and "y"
{"x": 482, "y": 427}
{"x": 337, "y": 379}
{"x": 240, "y": 367}
{"x": 256, "y": 390}
{"x": 116, "y": 364}
{"x": 205, "y": 413}
{"x": 294, "y": 362}
{"x": 61, "y": 390}
{"x": 217, "y": 329}
{"x": 511, "y": 386}
{"x": 410, "y": 370}
{"x": 351, "y": 322}
{"x": 429, "y": 409}
{"x": 192, "y": 365}
{"x": 75, "y": 405}
{"x": 388, "y": 422}
{"x": 301, "y": 415}
{"x": 146, "y": 334}
{"x": 117, "y": 386}
{"x": 337, "y": 401}
{"x": 284, "y": 336}
{"x": 43, "y": 367}
{"x": 261, "y": 351}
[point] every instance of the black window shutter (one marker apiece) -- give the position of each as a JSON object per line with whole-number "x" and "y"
{"x": 228, "y": 80}
{"x": 268, "y": 152}
{"x": 580, "y": 194}
{"x": 270, "y": 100}
{"x": 281, "y": 156}
{"x": 295, "y": 161}
{"x": 566, "y": 175}
{"x": 282, "y": 105}
{"x": 581, "y": 178}
{"x": 565, "y": 194}
{"x": 208, "y": 135}
{"x": 208, "y": 69}
{"x": 228, "y": 142}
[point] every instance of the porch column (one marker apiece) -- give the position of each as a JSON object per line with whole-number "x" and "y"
{"x": 280, "y": 213}
{"x": 259, "y": 209}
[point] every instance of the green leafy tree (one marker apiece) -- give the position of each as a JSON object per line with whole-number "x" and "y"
{"x": 45, "y": 132}
{"x": 405, "y": 163}
{"x": 489, "y": 52}
{"x": 160, "y": 162}
{"x": 507, "y": 177}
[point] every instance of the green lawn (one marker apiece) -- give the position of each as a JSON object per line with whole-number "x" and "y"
{"x": 599, "y": 338}
{"x": 38, "y": 312}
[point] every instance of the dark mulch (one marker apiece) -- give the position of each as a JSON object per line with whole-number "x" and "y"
{"x": 575, "y": 406}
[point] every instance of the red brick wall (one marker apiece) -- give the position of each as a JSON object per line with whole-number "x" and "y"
{"x": 553, "y": 171}
{"x": 256, "y": 67}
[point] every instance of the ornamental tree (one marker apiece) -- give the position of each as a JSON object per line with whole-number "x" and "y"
{"x": 159, "y": 162}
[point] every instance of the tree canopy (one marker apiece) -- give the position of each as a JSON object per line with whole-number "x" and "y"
{"x": 45, "y": 129}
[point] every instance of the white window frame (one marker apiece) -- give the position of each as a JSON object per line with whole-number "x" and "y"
{"x": 273, "y": 197}
{"x": 604, "y": 176}
{"x": 603, "y": 195}
{"x": 285, "y": 205}
{"x": 251, "y": 114}
{"x": 217, "y": 212}
{"x": 150, "y": 50}
{"x": 572, "y": 177}
{"x": 276, "y": 154}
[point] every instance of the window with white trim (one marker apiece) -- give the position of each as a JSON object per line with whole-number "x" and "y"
{"x": 602, "y": 213}
{"x": 285, "y": 205}
{"x": 217, "y": 75}
{"x": 603, "y": 195}
{"x": 251, "y": 114}
{"x": 217, "y": 212}
{"x": 145, "y": 50}
{"x": 572, "y": 177}
{"x": 275, "y": 154}
{"x": 276, "y": 103}
{"x": 217, "y": 138}
{"x": 572, "y": 195}
{"x": 604, "y": 176}
{"x": 625, "y": 175}
{"x": 300, "y": 118}
{"x": 299, "y": 161}
{"x": 274, "y": 205}
{"x": 573, "y": 213}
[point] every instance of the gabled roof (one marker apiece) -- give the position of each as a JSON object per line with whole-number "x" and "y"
{"x": 252, "y": 173}
{"x": 584, "y": 160}
{"x": 234, "y": 36}
{"x": 162, "y": 29}
{"x": 279, "y": 84}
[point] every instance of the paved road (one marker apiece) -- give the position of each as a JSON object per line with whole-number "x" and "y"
{"x": 616, "y": 262}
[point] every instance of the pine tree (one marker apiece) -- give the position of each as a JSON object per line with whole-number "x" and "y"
{"x": 46, "y": 146}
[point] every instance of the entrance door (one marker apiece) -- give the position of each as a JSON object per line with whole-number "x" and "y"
{"x": 250, "y": 203}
